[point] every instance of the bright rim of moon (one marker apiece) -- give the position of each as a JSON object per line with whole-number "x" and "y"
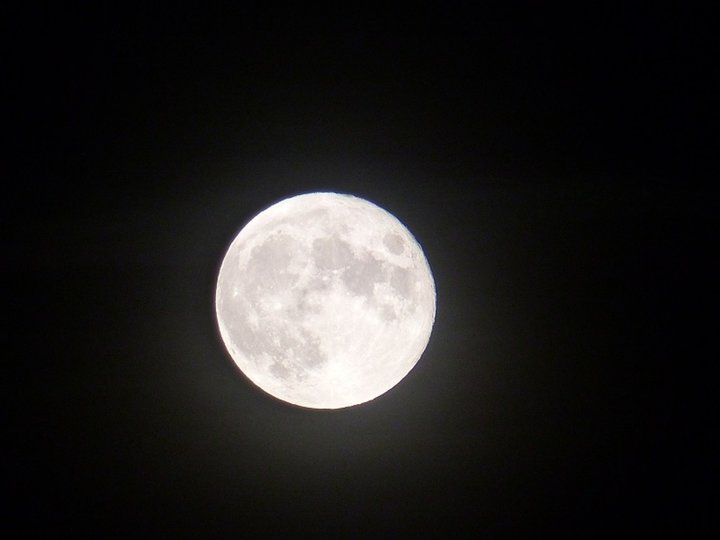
{"x": 325, "y": 300}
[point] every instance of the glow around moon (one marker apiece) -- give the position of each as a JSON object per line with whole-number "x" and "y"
{"x": 325, "y": 300}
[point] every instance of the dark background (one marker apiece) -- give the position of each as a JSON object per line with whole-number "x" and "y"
{"x": 552, "y": 161}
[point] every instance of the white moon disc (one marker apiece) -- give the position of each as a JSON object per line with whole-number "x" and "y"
{"x": 325, "y": 300}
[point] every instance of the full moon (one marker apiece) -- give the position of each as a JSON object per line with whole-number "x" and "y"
{"x": 325, "y": 300}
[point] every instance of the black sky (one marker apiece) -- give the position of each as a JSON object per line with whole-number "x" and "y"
{"x": 553, "y": 163}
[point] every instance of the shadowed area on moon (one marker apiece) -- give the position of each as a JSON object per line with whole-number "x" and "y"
{"x": 312, "y": 308}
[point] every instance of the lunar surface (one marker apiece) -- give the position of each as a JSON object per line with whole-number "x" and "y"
{"x": 325, "y": 300}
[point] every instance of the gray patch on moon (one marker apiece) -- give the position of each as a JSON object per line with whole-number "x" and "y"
{"x": 394, "y": 243}
{"x": 304, "y": 303}
{"x": 291, "y": 351}
{"x": 280, "y": 371}
{"x": 269, "y": 262}
{"x": 401, "y": 281}
{"x": 362, "y": 275}
{"x": 331, "y": 253}
{"x": 388, "y": 313}
{"x": 309, "y": 350}
{"x": 300, "y": 354}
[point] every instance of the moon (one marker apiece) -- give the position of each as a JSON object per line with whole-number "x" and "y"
{"x": 325, "y": 300}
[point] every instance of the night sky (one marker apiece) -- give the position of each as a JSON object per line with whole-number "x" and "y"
{"x": 551, "y": 160}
